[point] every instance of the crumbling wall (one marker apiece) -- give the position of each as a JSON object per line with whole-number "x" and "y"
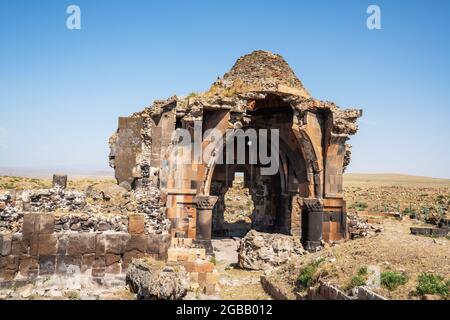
{"x": 40, "y": 251}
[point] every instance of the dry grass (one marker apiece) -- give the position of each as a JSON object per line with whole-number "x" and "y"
{"x": 393, "y": 250}
{"x": 24, "y": 183}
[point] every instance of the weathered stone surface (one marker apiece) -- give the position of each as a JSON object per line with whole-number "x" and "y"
{"x": 137, "y": 242}
{"x": 19, "y": 246}
{"x": 68, "y": 264}
{"x": 47, "y": 265}
{"x": 59, "y": 181}
{"x": 9, "y": 266}
{"x": 116, "y": 243}
{"x": 28, "y": 266}
{"x": 30, "y": 221}
{"x": 111, "y": 258}
{"x": 5, "y": 244}
{"x": 155, "y": 281}
{"x": 99, "y": 267}
{"x": 261, "y": 251}
{"x": 47, "y": 244}
{"x": 129, "y": 256}
{"x": 136, "y": 224}
{"x": 87, "y": 261}
{"x": 46, "y": 223}
{"x": 81, "y": 243}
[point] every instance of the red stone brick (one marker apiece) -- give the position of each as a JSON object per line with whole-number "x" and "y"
{"x": 136, "y": 224}
{"x": 47, "y": 244}
{"x": 111, "y": 258}
{"x": 46, "y": 223}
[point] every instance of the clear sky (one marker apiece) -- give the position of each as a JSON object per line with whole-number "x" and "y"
{"x": 61, "y": 91}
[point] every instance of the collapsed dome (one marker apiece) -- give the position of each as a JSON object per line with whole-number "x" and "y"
{"x": 260, "y": 71}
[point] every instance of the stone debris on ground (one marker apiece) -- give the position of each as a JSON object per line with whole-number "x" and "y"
{"x": 100, "y": 207}
{"x": 358, "y": 227}
{"x": 151, "y": 280}
{"x": 261, "y": 251}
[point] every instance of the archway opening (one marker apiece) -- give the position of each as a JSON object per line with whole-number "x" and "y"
{"x": 238, "y": 207}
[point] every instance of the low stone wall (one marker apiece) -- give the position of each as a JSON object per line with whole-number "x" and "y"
{"x": 365, "y": 293}
{"x": 40, "y": 251}
{"x": 323, "y": 291}
{"x": 273, "y": 290}
{"x": 430, "y": 231}
{"x": 327, "y": 292}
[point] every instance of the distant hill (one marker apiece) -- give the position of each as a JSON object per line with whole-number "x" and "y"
{"x": 393, "y": 179}
{"x": 45, "y": 173}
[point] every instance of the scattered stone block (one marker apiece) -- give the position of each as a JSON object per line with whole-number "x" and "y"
{"x": 156, "y": 281}
{"x": 59, "y": 181}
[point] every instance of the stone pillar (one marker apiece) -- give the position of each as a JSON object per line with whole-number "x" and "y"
{"x": 59, "y": 181}
{"x": 313, "y": 210}
{"x": 205, "y": 204}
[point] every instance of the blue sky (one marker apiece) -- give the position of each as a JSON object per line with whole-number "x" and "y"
{"x": 61, "y": 91}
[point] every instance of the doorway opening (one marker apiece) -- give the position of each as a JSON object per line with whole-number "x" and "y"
{"x": 239, "y": 208}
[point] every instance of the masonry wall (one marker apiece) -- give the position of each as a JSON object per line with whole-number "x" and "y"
{"x": 40, "y": 251}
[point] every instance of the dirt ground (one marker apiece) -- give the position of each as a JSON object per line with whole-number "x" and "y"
{"x": 24, "y": 183}
{"x": 395, "y": 249}
{"x": 236, "y": 283}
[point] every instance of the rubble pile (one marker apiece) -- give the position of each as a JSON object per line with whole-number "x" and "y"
{"x": 101, "y": 207}
{"x": 262, "y": 251}
{"x": 359, "y": 227}
{"x": 49, "y": 200}
{"x": 91, "y": 223}
{"x": 152, "y": 281}
{"x": 10, "y": 217}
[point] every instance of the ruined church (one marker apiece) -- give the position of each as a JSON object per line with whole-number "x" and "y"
{"x": 305, "y": 196}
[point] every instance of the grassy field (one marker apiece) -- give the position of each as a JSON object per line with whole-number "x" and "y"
{"x": 418, "y": 196}
{"x": 24, "y": 183}
{"x": 385, "y": 179}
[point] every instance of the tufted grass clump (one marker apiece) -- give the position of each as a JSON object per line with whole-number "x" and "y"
{"x": 307, "y": 276}
{"x": 432, "y": 284}
{"x": 391, "y": 280}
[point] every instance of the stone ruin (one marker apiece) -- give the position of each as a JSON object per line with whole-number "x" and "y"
{"x": 304, "y": 198}
{"x": 169, "y": 209}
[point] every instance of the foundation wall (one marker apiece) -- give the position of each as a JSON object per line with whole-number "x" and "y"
{"x": 40, "y": 251}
